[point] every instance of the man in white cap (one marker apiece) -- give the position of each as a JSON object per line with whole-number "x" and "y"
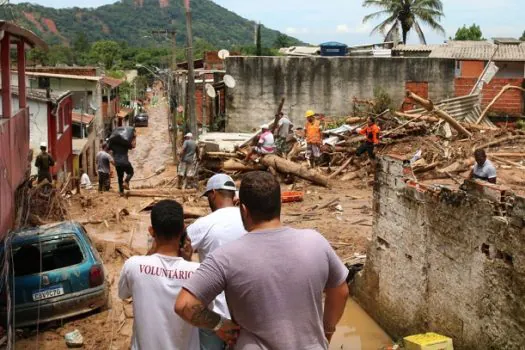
{"x": 44, "y": 162}
{"x": 266, "y": 143}
{"x": 188, "y": 161}
{"x": 220, "y": 227}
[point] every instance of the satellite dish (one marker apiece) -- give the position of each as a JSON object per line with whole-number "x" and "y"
{"x": 229, "y": 81}
{"x": 210, "y": 90}
{"x": 224, "y": 54}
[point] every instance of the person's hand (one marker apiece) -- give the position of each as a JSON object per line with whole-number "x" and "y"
{"x": 186, "y": 250}
{"x": 229, "y": 332}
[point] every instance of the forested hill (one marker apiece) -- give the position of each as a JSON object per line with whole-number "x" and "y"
{"x": 132, "y": 21}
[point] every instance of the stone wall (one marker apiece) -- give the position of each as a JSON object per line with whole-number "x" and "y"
{"x": 324, "y": 84}
{"x": 452, "y": 262}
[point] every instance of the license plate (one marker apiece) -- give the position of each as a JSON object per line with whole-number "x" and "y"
{"x": 48, "y": 293}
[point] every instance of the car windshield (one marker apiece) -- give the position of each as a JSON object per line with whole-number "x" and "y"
{"x": 46, "y": 256}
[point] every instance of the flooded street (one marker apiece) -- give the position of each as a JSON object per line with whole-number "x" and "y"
{"x": 358, "y": 331}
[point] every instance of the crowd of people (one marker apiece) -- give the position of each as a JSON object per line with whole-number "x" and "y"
{"x": 255, "y": 287}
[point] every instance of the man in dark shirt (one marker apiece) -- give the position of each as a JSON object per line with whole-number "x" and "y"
{"x": 122, "y": 163}
{"x": 44, "y": 162}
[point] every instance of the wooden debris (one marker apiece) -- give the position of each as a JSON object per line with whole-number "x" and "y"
{"x": 288, "y": 167}
{"x": 323, "y": 206}
{"x": 495, "y": 99}
{"x": 342, "y": 168}
{"x": 506, "y": 161}
{"x": 500, "y": 141}
{"x": 429, "y": 106}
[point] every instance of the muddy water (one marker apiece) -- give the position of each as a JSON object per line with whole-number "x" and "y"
{"x": 358, "y": 331}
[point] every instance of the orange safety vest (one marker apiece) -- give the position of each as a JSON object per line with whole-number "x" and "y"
{"x": 371, "y": 133}
{"x": 313, "y": 132}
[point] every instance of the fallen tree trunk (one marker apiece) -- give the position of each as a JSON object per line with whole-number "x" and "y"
{"x": 222, "y": 155}
{"x": 343, "y": 167}
{"x": 429, "y": 106}
{"x": 430, "y": 119}
{"x": 457, "y": 167}
{"x": 237, "y": 165}
{"x": 289, "y": 167}
{"x": 507, "y": 154}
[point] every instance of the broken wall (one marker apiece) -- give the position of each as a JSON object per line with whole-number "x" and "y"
{"x": 452, "y": 262}
{"x": 324, "y": 84}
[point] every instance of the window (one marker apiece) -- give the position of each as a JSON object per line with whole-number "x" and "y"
{"x": 55, "y": 254}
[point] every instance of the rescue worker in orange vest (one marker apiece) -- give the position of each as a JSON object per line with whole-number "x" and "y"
{"x": 313, "y": 138}
{"x": 372, "y": 138}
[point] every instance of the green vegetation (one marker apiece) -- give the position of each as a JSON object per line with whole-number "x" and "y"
{"x": 469, "y": 33}
{"x": 523, "y": 36}
{"x": 126, "y": 22}
{"x": 405, "y": 15}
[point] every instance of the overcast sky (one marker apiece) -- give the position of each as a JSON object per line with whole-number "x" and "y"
{"x": 341, "y": 20}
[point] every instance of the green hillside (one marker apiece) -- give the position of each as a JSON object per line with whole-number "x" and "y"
{"x": 132, "y": 21}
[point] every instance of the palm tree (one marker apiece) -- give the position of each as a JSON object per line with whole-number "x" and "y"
{"x": 405, "y": 15}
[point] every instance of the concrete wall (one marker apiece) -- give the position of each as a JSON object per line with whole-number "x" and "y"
{"x": 445, "y": 261}
{"x": 326, "y": 85}
{"x": 38, "y": 130}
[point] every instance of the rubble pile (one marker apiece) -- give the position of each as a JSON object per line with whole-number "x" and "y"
{"x": 40, "y": 204}
{"x": 438, "y": 139}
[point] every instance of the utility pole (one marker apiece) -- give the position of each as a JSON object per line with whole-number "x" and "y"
{"x": 172, "y": 85}
{"x": 190, "y": 113}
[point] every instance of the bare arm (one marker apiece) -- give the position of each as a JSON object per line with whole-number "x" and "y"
{"x": 334, "y": 306}
{"x": 193, "y": 311}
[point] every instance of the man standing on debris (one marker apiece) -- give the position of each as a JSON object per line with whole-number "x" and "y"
{"x": 483, "y": 169}
{"x": 122, "y": 163}
{"x": 154, "y": 281}
{"x": 371, "y": 132}
{"x": 314, "y": 138}
{"x": 44, "y": 162}
{"x": 222, "y": 226}
{"x": 103, "y": 168}
{"x": 275, "y": 298}
{"x": 282, "y": 132}
{"x": 188, "y": 161}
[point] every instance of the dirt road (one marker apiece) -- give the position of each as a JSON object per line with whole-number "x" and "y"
{"x": 153, "y": 145}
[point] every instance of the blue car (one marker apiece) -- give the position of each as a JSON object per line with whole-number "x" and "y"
{"x": 57, "y": 274}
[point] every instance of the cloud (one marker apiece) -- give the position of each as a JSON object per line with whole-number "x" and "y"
{"x": 342, "y": 28}
{"x": 358, "y": 29}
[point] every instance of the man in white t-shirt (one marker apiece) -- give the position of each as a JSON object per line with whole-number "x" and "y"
{"x": 220, "y": 227}
{"x": 154, "y": 282}
{"x": 483, "y": 169}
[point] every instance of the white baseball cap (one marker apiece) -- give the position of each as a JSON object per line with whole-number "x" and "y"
{"x": 220, "y": 182}
{"x": 188, "y": 135}
{"x": 265, "y": 126}
{"x": 43, "y": 144}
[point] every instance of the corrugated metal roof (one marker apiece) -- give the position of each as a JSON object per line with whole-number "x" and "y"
{"x": 64, "y": 76}
{"x": 479, "y": 51}
{"x": 82, "y": 118}
{"x": 464, "y": 109}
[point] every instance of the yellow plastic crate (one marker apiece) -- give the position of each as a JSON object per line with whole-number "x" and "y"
{"x": 428, "y": 341}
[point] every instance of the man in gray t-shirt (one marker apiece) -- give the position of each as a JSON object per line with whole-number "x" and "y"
{"x": 104, "y": 160}
{"x": 188, "y": 161}
{"x": 483, "y": 169}
{"x": 273, "y": 278}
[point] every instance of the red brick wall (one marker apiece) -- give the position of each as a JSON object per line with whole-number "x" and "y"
{"x": 511, "y": 102}
{"x": 419, "y": 88}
